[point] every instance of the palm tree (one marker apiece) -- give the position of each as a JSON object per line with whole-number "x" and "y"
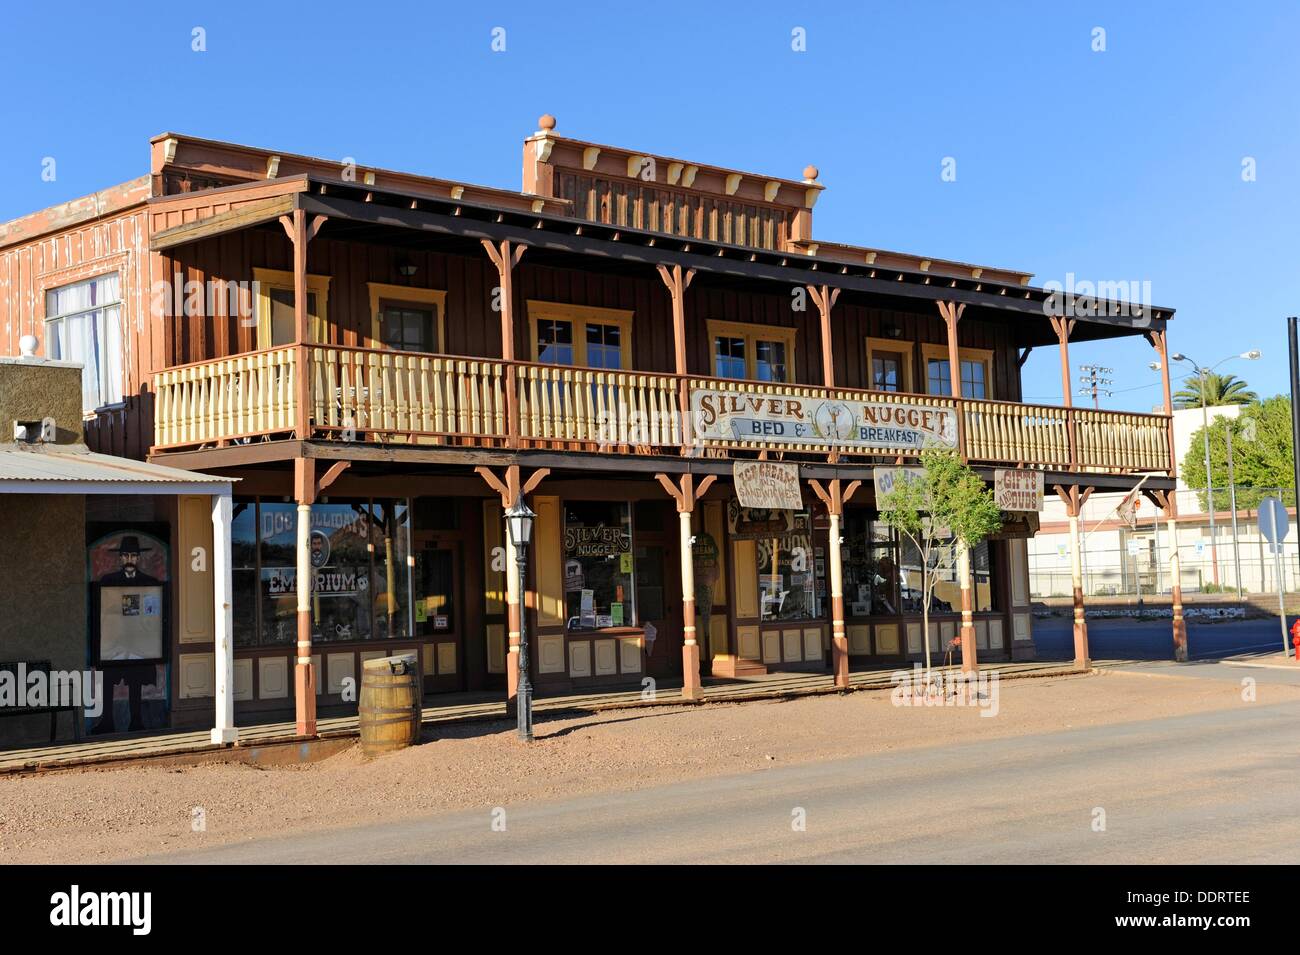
{"x": 1219, "y": 390}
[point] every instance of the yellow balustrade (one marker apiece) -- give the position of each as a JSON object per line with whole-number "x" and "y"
{"x": 239, "y": 396}
{"x": 385, "y": 396}
{"x": 362, "y": 394}
{"x": 597, "y": 409}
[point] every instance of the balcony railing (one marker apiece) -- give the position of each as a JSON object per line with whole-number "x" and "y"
{"x": 392, "y": 397}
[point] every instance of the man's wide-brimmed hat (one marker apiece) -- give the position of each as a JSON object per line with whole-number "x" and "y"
{"x": 131, "y": 545}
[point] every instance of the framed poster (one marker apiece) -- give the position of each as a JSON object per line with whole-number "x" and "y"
{"x": 130, "y": 593}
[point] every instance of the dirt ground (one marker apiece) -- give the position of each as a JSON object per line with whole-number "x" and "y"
{"x": 103, "y": 815}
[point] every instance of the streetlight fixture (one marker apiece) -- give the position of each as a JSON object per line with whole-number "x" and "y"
{"x": 519, "y": 520}
{"x": 1203, "y": 374}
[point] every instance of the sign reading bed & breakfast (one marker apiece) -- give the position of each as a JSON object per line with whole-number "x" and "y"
{"x": 788, "y": 418}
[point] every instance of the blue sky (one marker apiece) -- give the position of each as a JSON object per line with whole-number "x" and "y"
{"x": 1117, "y": 165}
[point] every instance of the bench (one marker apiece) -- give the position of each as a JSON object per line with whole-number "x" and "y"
{"x": 40, "y": 666}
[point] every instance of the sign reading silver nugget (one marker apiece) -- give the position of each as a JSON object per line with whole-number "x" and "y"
{"x": 787, "y": 418}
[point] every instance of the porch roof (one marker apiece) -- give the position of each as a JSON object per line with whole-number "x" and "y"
{"x": 74, "y": 469}
{"x": 369, "y": 213}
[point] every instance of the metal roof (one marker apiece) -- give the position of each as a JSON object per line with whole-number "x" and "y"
{"x": 73, "y": 469}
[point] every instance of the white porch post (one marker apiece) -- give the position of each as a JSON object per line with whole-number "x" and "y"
{"x": 223, "y": 729}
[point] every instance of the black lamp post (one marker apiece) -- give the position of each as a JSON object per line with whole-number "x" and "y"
{"x": 519, "y": 519}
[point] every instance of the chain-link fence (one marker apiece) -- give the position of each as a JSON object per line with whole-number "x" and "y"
{"x": 1123, "y": 561}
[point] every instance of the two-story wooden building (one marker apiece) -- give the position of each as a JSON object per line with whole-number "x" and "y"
{"x": 386, "y": 360}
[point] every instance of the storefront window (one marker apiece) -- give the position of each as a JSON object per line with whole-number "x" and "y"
{"x": 353, "y": 544}
{"x": 389, "y": 544}
{"x": 598, "y": 565}
{"x": 243, "y": 567}
{"x": 947, "y": 589}
{"x": 871, "y": 574}
{"x": 787, "y": 574}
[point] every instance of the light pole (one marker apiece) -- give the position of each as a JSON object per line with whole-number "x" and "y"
{"x": 1203, "y": 374}
{"x": 519, "y": 519}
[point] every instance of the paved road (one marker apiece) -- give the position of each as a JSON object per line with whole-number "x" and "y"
{"x": 1119, "y": 639}
{"x": 1214, "y": 787}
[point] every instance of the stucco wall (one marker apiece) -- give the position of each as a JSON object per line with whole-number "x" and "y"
{"x": 43, "y": 595}
{"x": 34, "y": 390}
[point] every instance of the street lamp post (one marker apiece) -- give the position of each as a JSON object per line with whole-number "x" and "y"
{"x": 519, "y": 519}
{"x": 1203, "y": 374}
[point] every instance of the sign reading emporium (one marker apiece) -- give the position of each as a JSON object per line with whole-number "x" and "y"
{"x": 783, "y": 418}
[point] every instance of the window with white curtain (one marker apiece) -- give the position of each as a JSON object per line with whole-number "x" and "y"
{"x": 83, "y": 323}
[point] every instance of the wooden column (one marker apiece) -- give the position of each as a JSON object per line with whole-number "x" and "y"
{"x": 685, "y": 492}
{"x": 1063, "y": 327}
{"x": 825, "y": 297}
{"x": 952, "y": 312}
{"x": 678, "y": 281}
{"x": 300, "y": 233}
{"x": 304, "y": 678}
{"x": 969, "y": 648}
{"x": 1167, "y": 501}
{"x": 835, "y": 498}
{"x": 511, "y": 488}
{"x": 1074, "y": 498}
{"x": 1160, "y": 342}
{"x": 505, "y": 255}
{"x": 223, "y": 728}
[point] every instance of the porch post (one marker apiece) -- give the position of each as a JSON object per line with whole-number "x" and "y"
{"x": 951, "y": 312}
{"x": 1160, "y": 342}
{"x": 824, "y": 297}
{"x": 969, "y": 661}
{"x": 1168, "y": 502}
{"x": 1063, "y": 327}
{"x": 505, "y": 255}
{"x": 678, "y": 281}
{"x": 834, "y": 496}
{"x": 686, "y": 493}
{"x": 300, "y": 233}
{"x": 1074, "y": 499}
{"x": 304, "y": 678}
{"x": 223, "y": 728}
{"x": 511, "y": 488}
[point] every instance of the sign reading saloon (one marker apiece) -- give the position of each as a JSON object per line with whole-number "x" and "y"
{"x": 778, "y": 418}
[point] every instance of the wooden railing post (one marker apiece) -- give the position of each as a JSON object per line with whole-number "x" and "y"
{"x": 678, "y": 281}
{"x": 1063, "y": 327}
{"x": 952, "y": 312}
{"x": 505, "y": 255}
{"x": 300, "y": 233}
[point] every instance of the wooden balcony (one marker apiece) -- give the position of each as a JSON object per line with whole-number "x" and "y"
{"x": 402, "y": 398}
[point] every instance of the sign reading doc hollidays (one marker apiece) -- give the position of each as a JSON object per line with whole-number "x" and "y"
{"x": 783, "y": 418}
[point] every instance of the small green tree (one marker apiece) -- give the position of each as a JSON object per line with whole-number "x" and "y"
{"x": 943, "y": 504}
{"x": 1261, "y": 454}
{"x": 1219, "y": 390}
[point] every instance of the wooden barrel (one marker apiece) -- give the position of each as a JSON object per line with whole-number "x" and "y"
{"x": 389, "y": 711}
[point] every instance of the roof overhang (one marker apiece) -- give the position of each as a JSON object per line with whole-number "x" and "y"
{"x": 397, "y": 213}
{"x": 75, "y": 470}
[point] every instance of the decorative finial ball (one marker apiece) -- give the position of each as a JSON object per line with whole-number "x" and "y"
{"x": 27, "y": 346}
{"x": 811, "y": 172}
{"x": 547, "y": 122}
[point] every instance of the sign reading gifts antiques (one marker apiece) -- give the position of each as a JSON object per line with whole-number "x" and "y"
{"x": 786, "y": 418}
{"x": 767, "y": 484}
{"x": 1018, "y": 489}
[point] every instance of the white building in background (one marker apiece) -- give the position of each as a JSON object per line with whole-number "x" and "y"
{"x": 1122, "y": 561}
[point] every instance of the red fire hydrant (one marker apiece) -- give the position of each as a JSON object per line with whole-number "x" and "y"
{"x": 1295, "y": 638}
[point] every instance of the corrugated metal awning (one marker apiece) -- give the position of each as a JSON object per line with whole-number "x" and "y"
{"x": 72, "y": 469}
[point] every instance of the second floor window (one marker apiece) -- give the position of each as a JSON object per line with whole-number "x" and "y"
{"x": 276, "y": 321}
{"x": 974, "y": 371}
{"x": 83, "y": 323}
{"x": 408, "y": 328}
{"x": 580, "y": 335}
{"x": 752, "y": 352}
